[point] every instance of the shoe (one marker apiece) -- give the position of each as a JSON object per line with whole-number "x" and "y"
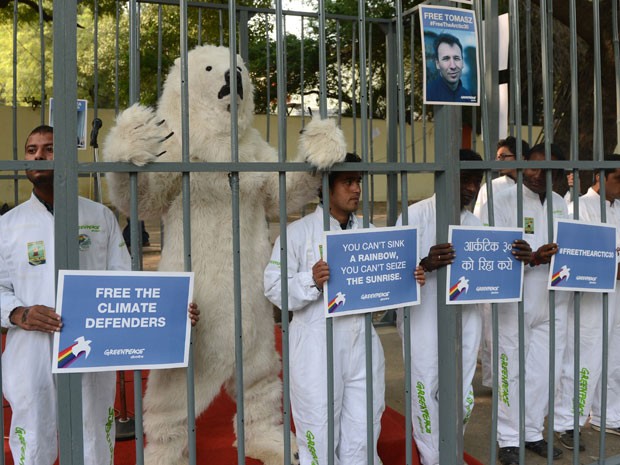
{"x": 567, "y": 439}
{"x": 540, "y": 448}
{"x": 508, "y": 455}
{"x": 615, "y": 431}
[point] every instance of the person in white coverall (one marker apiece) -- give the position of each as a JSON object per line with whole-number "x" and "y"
{"x": 423, "y": 318}
{"x": 27, "y": 291}
{"x": 506, "y": 151}
{"x": 591, "y": 319}
{"x": 536, "y": 310}
{"x": 307, "y": 273}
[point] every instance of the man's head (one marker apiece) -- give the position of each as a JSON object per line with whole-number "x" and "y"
{"x": 612, "y": 179}
{"x": 40, "y": 146}
{"x": 344, "y": 190}
{"x": 534, "y": 179}
{"x": 470, "y": 179}
{"x": 449, "y": 59}
{"x": 507, "y": 151}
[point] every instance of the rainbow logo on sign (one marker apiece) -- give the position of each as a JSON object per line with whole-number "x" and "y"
{"x": 462, "y": 285}
{"x": 561, "y": 275}
{"x": 336, "y": 302}
{"x": 69, "y": 355}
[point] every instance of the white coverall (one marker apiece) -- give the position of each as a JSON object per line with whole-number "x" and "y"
{"x": 424, "y": 341}
{"x": 27, "y": 277}
{"x": 486, "y": 347}
{"x": 536, "y": 312}
{"x": 308, "y": 359}
{"x": 591, "y": 325}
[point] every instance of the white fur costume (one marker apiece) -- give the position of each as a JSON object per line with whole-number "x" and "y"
{"x": 138, "y": 138}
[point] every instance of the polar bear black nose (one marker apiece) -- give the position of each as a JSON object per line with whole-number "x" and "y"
{"x": 225, "y": 90}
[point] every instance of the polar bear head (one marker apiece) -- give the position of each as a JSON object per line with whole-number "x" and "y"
{"x": 209, "y": 81}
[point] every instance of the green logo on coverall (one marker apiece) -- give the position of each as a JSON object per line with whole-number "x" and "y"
{"x": 108, "y": 428}
{"x": 21, "y": 436}
{"x": 312, "y": 448}
{"x": 583, "y": 388}
{"x": 504, "y": 391}
{"x": 425, "y": 420}
{"x": 469, "y": 405}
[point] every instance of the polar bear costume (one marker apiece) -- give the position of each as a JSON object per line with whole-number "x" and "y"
{"x": 139, "y": 137}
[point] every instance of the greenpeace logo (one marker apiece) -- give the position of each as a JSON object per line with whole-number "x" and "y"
{"x": 375, "y": 295}
{"x": 487, "y": 288}
{"x": 133, "y": 353}
{"x": 592, "y": 279}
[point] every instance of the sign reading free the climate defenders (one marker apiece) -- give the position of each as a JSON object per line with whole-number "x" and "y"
{"x": 370, "y": 270}
{"x": 586, "y": 258}
{"x": 484, "y": 269}
{"x": 117, "y": 320}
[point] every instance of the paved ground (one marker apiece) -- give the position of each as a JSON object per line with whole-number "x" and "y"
{"x": 478, "y": 433}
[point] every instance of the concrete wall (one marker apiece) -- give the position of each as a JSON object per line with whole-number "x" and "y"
{"x": 420, "y": 185}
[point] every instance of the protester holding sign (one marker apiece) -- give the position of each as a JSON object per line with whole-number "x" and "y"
{"x": 590, "y": 330}
{"x": 307, "y": 273}
{"x": 506, "y": 151}
{"x": 423, "y": 321}
{"x": 536, "y": 308}
{"x": 27, "y": 289}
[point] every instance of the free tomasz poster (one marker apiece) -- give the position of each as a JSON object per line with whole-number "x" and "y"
{"x": 116, "y": 320}
{"x": 586, "y": 257}
{"x": 484, "y": 269}
{"x": 450, "y": 56}
{"x": 370, "y": 270}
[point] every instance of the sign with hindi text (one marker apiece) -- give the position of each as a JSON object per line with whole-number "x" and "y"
{"x": 484, "y": 269}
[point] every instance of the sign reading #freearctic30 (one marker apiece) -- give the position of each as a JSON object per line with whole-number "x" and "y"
{"x": 370, "y": 270}
{"x": 586, "y": 258}
{"x": 484, "y": 269}
{"x": 117, "y": 320}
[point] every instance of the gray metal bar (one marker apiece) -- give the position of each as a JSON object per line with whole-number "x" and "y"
{"x": 187, "y": 227}
{"x": 236, "y": 240}
{"x": 447, "y": 124}
{"x": 574, "y": 154}
{"x": 528, "y": 65}
{"x": 491, "y": 70}
{"x": 42, "y": 55}
{"x": 14, "y": 101}
{"x": 363, "y": 65}
{"x": 391, "y": 78}
{"x": 282, "y": 155}
{"x": 616, "y": 42}
{"x": 404, "y": 207}
{"x": 69, "y": 387}
{"x": 547, "y": 65}
{"x": 329, "y": 324}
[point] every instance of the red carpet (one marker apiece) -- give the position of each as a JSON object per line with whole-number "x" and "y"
{"x": 215, "y": 433}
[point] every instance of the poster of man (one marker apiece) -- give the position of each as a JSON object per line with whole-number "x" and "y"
{"x": 450, "y": 48}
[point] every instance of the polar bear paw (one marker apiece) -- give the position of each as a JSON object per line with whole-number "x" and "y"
{"x": 138, "y": 137}
{"x": 322, "y": 143}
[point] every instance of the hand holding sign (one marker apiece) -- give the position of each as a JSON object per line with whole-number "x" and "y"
{"x": 522, "y": 251}
{"x": 439, "y": 255}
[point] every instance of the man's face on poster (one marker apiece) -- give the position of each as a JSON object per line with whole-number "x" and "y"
{"x": 449, "y": 63}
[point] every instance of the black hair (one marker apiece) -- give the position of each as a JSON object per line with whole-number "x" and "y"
{"x": 511, "y": 143}
{"x": 470, "y": 155}
{"x": 556, "y": 151}
{"x": 608, "y": 171}
{"x": 349, "y": 158}
{"x": 446, "y": 39}
{"x": 42, "y": 129}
